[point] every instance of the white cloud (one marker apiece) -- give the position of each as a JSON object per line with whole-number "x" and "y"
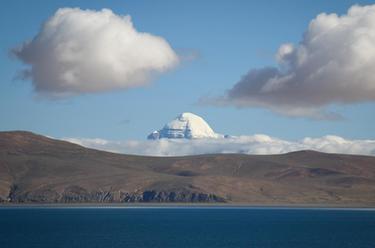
{"x": 332, "y": 64}
{"x": 84, "y": 51}
{"x": 256, "y": 144}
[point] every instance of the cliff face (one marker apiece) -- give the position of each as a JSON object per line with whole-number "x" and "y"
{"x": 76, "y": 194}
{"x": 36, "y": 169}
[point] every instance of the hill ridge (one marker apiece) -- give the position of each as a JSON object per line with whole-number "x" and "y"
{"x": 38, "y": 169}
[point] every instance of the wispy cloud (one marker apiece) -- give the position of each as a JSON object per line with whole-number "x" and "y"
{"x": 332, "y": 64}
{"x": 85, "y": 51}
{"x": 256, "y": 144}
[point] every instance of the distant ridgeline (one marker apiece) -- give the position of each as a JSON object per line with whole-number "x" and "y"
{"x": 37, "y": 169}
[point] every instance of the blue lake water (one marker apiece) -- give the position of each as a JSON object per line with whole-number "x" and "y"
{"x": 186, "y": 227}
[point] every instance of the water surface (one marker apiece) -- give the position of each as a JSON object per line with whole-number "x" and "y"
{"x": 186, "y": 227}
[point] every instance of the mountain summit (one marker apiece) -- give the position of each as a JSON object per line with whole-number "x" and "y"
{"x": 185, "y": 126}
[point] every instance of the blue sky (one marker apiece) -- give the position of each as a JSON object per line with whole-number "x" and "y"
{"x": 227, "y": 39}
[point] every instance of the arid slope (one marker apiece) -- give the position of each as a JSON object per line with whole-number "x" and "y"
{"x": 37, "y": 169}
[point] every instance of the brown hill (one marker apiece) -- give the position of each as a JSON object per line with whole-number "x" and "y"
{"x": 37, "y": 169}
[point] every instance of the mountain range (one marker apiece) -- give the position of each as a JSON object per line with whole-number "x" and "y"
{"x": 38, "y": 169}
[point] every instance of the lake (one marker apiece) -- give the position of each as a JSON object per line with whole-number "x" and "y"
{"x": 186, "y": 227}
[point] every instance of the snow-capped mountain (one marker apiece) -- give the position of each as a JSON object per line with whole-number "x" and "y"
{"x": 185, "y": 126}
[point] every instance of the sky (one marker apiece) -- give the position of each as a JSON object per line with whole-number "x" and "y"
{"x": 212, "y": 58}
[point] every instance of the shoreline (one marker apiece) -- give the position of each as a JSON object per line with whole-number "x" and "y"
{"x": 189, "y": 206}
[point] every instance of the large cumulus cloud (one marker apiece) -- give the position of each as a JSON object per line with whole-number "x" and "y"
{"x": 256, "y": 144}
{"x": 82, "y": 51}
{"x": 332, "y": 64}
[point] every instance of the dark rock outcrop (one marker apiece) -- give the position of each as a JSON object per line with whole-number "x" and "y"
{"x": 171, "y": 196}
{"x": 76, "y": 194}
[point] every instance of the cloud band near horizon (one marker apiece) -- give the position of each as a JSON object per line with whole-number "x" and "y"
{"x": 255, "y": 144}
